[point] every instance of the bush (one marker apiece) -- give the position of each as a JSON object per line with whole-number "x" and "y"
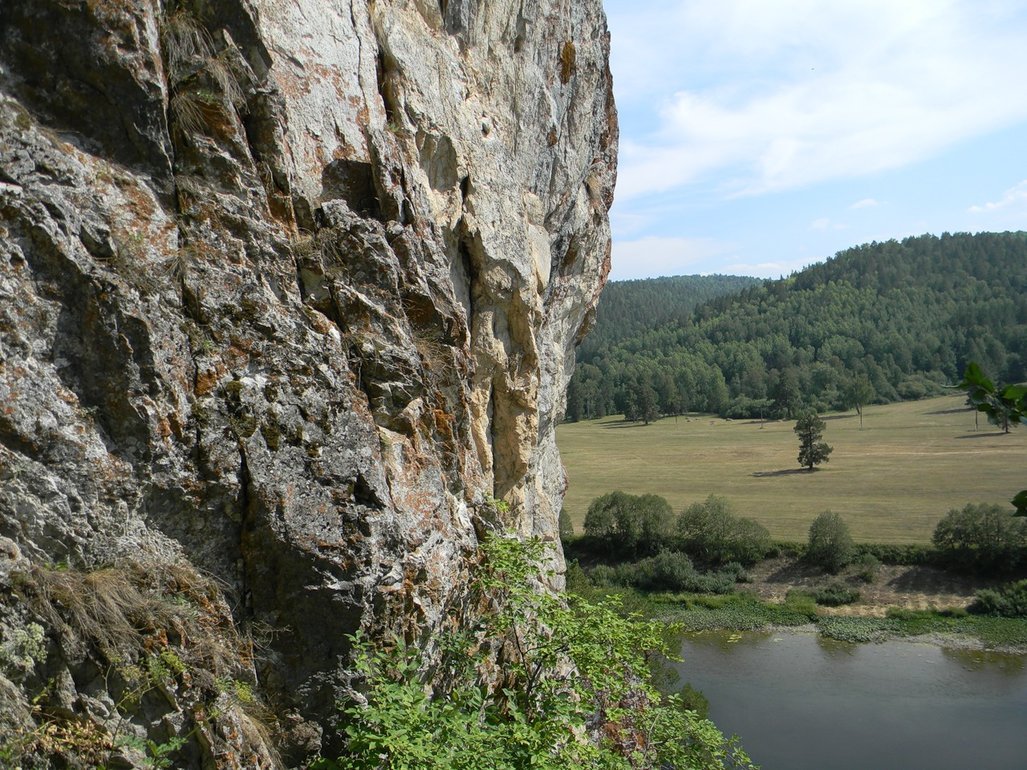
{"x": 737, "y": 571}
{"x": 867, "y": 565}
{"x": 830, "y": 545}
{"x": 605, "y": 575}
{"x": 407, "y": 718}
{"x": 627, "y": 525}
{"x": 888, "y": 553}
{"x": 667, "y": 571}
{"x": 1009, "y": 601}
{"x": 982, "y": 539}
{"x": 835, "y": 594}
{"x": 710, "y": 533}
{"x": 748, "y": 542}
{"x": 575, "y": 578}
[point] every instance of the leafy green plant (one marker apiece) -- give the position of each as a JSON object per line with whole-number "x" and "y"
{"x": 981, "y": 538}
{"x": 629, "y": 525}
{"x": 830, "y": 544}
{"x": 501, "y": 506}
{"x": 711, "y": 533}
{"x": 741, "y": 612}
{"x": 667, "y": 571}
{"x": 157, "y": 755}
{"x": 1008, "y": 601}
{"x": 857, "y": 629}
{"x": 835, "y": 594}
{"x": 572, "y": 688}
{"x": 1004, "y": 405}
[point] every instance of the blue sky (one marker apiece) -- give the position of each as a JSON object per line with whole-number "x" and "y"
{"x": 761, "y": 136}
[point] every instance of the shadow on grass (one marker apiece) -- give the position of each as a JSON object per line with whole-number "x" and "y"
{"x": 932, "y": 580}
{"x": 797, "y": 572}
{"x": 830, "y": 417}
{"x": 983, "y": 434}
{"x": 625, "y": 424}
{"x": 957, "y": 410}
{"x": 784, "y": 472}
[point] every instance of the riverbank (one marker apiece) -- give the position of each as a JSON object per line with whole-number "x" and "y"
{"x": 887, "y": 602}
{"x": 884, "y": 588}
{"x": 744, "y": 611}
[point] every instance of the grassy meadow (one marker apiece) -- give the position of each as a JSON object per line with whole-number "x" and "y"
{"x": 891, "y": 481}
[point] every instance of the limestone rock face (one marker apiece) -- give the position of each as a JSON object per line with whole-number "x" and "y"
{"x": 289, "y": 291}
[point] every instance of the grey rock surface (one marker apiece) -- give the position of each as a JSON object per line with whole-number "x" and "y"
{"x": 288, "y": 293}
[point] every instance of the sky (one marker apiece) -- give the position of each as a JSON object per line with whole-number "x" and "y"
{"x": 762, "y": 136}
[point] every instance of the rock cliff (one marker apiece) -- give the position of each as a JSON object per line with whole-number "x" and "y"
{"x": 289, "y": 291}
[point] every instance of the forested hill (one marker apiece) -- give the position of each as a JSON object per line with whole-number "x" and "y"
{"x": 878, "y": 322}
{"x": 628, "y": 308}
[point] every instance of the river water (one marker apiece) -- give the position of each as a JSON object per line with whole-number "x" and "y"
{"x": 799, "y": 702}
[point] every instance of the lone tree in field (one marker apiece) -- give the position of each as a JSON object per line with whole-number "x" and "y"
{"x": 813, "y": 450}
{"x": 858, "y": 394}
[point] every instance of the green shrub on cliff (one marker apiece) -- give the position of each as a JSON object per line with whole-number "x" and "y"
{"x": 572, "y": 690}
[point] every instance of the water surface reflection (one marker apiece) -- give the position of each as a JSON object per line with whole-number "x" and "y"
{"x": 801, "y": 702}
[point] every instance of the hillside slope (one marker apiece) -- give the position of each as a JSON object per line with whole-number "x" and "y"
{"x": 900, "y": 318}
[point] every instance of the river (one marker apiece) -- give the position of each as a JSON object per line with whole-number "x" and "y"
{"x": 799, "y": 702}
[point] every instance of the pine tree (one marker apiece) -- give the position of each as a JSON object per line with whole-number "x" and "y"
{"x": 813, "y": 450}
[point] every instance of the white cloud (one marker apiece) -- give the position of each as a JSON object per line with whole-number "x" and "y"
{"x": 656, "y": 255}
{"x": 774, "y": 96}
{"x": 1013, "y": 197}
{"x": 866, "y": 203}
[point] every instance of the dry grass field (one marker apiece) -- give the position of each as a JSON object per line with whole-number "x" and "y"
{"x": 891, "y": 481}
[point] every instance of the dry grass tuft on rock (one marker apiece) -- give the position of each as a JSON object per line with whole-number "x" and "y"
{"x": 154, "y": 629}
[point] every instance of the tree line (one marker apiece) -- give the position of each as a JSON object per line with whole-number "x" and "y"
{"x": 707, "y": 548}
{"x": 877, "y": 323}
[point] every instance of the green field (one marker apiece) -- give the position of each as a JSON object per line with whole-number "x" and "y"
{"x": 891, "y": 481}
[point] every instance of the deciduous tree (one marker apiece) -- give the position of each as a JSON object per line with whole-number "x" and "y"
{"x": 711, "y": 533}
{"x": 830, "y": 544}
{"x": 858, "y": 394}
{"x": 981, "y": 538}
{"x": 629, "y": 524}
